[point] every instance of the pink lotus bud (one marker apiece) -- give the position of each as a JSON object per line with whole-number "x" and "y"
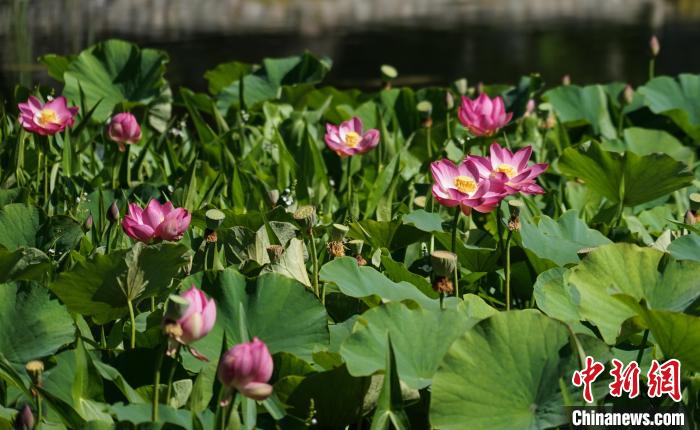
{"x": 46, "y": 119}
{"x": 199, "y": 316}
{"x": 24, "y": 420}
{"x": 247, "y": 367}
{"x": 654, "y": 46}
{"x": 348, "y": 138}
{"x": 156, "y": 221}
{"x": 483, "y": 116}
{"x": 627, "y": 95}
{"x": 124, "y": 129}
{"x": 566, "y": 80}
{"x": 530, "y": 107}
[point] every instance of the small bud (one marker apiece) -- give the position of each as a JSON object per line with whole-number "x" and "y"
{"x": 35, "y": 369}
{"x": 172, "y": 330}
{"x": 89, "y": 222}
{"x": 214, "y": 218}
{"x": 566, "y": 80}
{"x": 691, "y": 218}
{"x": 449, "y": 100}
{"x": 550, "y": 122}
{"x": 627, "y": 95}
{"x": 514, "y": 223}
{"x": 360, "y": 260}
{"x": 419, "y": 201}
{"x": 274, "y": 196}
{"x": 654, "y": 46}
{"x": 444, "y": 263}
{"x": 389, "y": 73}
{"x": 113, "y": 212}
{"x": 306, "y": 216}
{"x": 274, "y": 252}
{"x": 24, "y": 420}
{"x": 530, "y": 107}
{"x": 338, "y": 232}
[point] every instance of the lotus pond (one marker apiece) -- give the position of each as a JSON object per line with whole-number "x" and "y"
{"x": 279, "y": 253}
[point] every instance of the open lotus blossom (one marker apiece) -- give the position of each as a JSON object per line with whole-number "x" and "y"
{"x": 461, "y": 185}
{"x": 348, "y": 138}
{"x": 247, "y": 367}
{"x": 124, "y": 129}
{"x": 199, "y": 316}
{"x": 510, "y": 170}
{"x": 46, "y": 119}
{"x": 483, "y": 116}
{"x": 156, "y": 222}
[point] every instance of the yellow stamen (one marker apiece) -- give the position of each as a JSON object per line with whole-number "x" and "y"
{"x": 46, "y": 116}
{"x": 465, "y": 184}
{"x": 352, "y": 139}
{"x": 507, "y": 169}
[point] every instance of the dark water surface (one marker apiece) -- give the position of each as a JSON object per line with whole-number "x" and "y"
{"x": 425, "y": 51}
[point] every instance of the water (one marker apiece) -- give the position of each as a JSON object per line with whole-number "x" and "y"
{"x": 435, "y": 49}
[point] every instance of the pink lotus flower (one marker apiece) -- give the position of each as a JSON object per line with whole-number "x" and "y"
{"x": 199, "y": 317}
{"x": 460, "y": 185}
{"x": 348, "y": 138}
{"x": 124, "y": 129}
{"x": 156, "y": 221}
{"x": 510, "y": 170}
{"x": 46, "y": 119}
{"x": 483, "y": 116}
{"x": 247, "y": 367}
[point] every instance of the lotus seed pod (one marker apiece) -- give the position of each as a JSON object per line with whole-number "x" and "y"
{"x": 214, "y": 218}
{"x": 444, "y": 263}
{"x": 338, "y": 232}
{"x": 461, "y": 86}
{"x": 356, "y": 246}
{"x": 113, "y": 212}
{"x": 175, "y": 307}
{"x": 389, "y": 73}
{"x": 654, "y": 46}
{"x": 35, "y": 369}
{"x": 306, "y": 216}
{"x": 274, "y": 252}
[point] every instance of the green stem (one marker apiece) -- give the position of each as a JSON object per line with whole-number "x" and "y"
{"x": 132, "y": 318}
{"x": 349, "y": 187}
{"x": 429, "y": 142}
{"x": 507, "y": 269}
{"x": 156, "y": 385}
{"x": 39, "y": 408}
{"x": 652, "y": 64}
{"x": 314, "y": 260}
{"x": 455, "y": 224}
{"x": 171, "y": 375}
{"x": 642, "y": 346}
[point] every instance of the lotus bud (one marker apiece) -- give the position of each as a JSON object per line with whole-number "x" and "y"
{"x": 691, "y": 218}
{"x": 89, "y": 222}
{"x": 627, "y": 95}
{"x": 654, "y": 46}
{"x": 274, "y": 196}
{"x": 356, "y": 250}
{"x": 175, "y": 307}
{"x": 425, "y": 111}
{"x": 214, "y": 219}
{"x": 449, "y": 100}
{"x": 247, "y": 368}
{"x": 530, "y": 107}
{"x": 199, "y": 317}
{"x": 113, "y": 212}
{"x": 444, "y": 265}
{"x": 24, "y": 420}
{"x": 306, "y": 216}
{"x": 566, "y": 80}
{"x": 461, "y": 86}
{"x": 389, "y": 73}
{"x": 124, "y": 129}
{"x": 694, "y": 197}
{"x": 274, "y": 252}
{"x": 35, "y": 369}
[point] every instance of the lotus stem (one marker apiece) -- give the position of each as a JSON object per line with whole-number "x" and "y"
{"x": 156, "y": 385}
{"x": 455, "y": 223}
{"x": 132, "y": 318}
{"x": 349, "y": 186}
{"x": 314, "y": 261}
{"x": 642, "y": 345}
{"x": 171, "y": 375}
{"x": 507, "y": 269}
{"x": 652, "y": 65}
